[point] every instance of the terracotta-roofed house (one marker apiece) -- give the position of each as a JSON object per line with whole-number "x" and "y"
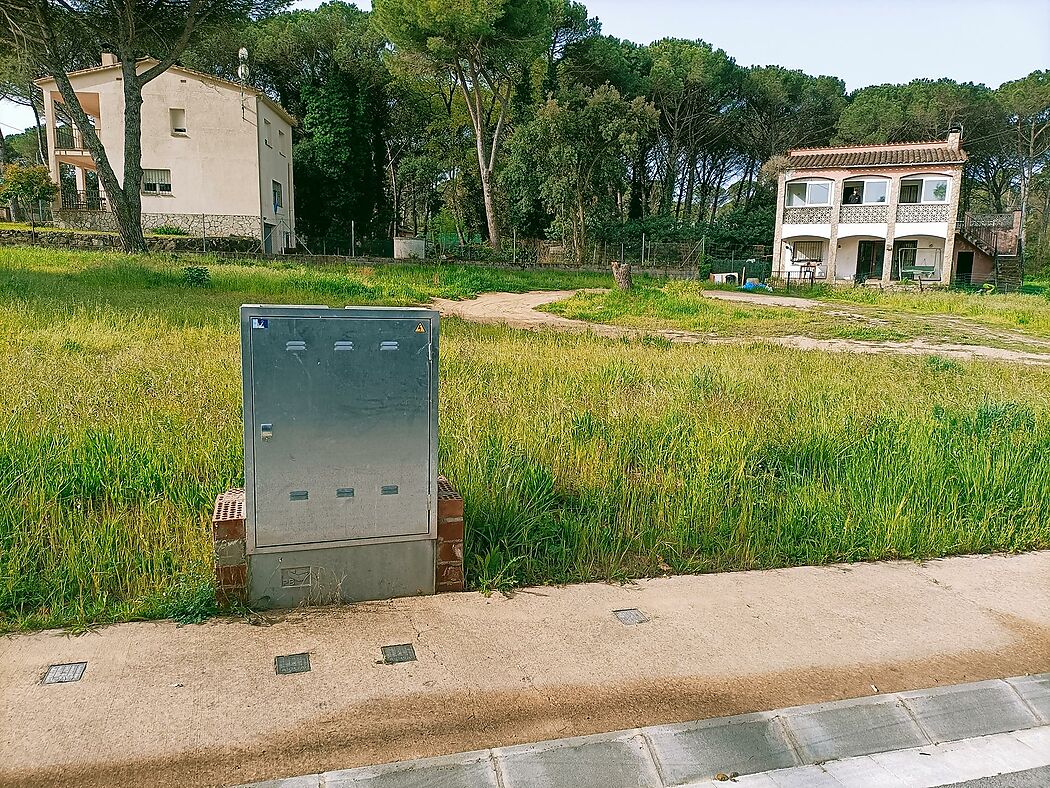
{"x": 216, "y": 155}
{"x": 883, "y": 213}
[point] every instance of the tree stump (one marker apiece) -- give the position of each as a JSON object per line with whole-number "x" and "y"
{"x": 622, "y": 275}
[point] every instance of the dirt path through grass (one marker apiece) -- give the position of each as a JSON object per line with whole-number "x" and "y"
{"x": 519, "y": 310}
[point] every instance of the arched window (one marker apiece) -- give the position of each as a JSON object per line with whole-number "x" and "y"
{"x": 813, "y": 192}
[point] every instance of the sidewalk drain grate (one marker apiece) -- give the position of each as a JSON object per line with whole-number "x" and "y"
{"x": 292, "y": 663}
{"x": 405, "y": 652}
{"x": 61, "y": 674}
{"x": 630, "y": 616}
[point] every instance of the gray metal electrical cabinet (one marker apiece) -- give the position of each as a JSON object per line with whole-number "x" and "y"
{"x": 340, "y": 452}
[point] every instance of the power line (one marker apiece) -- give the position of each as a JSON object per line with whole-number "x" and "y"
{"x": 14, "y": 128}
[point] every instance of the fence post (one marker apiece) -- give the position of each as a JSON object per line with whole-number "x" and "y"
{"x": 353, "y": 239}
{"x": 514, "y": 245}
{"x": 643, "y": 250}
{"x": 204, "y": 231}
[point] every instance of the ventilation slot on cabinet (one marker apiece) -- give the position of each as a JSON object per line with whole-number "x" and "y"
{"x": 388, "y": 345}
{"x": 388, "y": 489}
{"x": 344, "y": 492}
{"x": 294, "y": 347}
{"x": 298, "y": 495}
{"x": 344, "y": 345}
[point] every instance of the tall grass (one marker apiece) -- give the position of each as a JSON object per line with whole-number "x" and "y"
{"x": 579, "y": 458}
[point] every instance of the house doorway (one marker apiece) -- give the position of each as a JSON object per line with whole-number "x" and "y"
{"x": 964, "y": 268}
{"x": 268, "y": 237}
{"x": 870, "y": 255}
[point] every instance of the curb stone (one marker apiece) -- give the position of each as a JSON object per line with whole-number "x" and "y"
{"x": 665, "y": 756}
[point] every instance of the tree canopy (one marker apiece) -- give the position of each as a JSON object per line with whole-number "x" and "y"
{"x": 467, "y": 119}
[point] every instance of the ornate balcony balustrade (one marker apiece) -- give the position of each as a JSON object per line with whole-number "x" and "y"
{"x": 936, "y": 212}
{"x": 810, "y": 214}
{"x": 863, "y": 214}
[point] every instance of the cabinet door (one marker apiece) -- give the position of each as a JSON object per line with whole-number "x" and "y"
{"x": 342, "y": 421}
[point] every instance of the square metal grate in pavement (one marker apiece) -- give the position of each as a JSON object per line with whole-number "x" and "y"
{"x": 631, "y": 616}
{"x": 405, "y": 652}
{"x": 61, "y": 674}
{"x": 292, "y": 663}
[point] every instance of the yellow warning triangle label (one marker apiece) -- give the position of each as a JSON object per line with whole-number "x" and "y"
{"x": 420, "y": 329}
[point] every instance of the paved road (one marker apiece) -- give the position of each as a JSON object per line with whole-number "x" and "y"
{"x": 1031, "y": 778}
{"x": 165, "y": 705}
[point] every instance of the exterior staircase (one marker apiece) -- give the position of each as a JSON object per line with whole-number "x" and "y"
{"x": 997, "y": 236}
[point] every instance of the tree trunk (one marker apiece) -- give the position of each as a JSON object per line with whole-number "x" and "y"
{"x": 690, "y": 186}
{"x": 490, "y": 203}
{"x": 130, "y": 214}
{"x": 670, "y": 177}
{"x": 39, "y": 128}
{"x": 622, "y": 275}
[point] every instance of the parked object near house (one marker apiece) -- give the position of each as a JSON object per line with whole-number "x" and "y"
{"x": 731, "y": 278}
{"x": 216, "y": 155}
{"x": 410, "y": 248}
{"x": 879, "y": 214}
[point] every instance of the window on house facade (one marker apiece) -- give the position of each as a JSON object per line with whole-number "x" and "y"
{"x": 278, "y": 196}
{"x": 861, "y": 192}
{"x": 918, "y": 190}
{"x": 178, "y": 120}
{"x": 807, "y": 252}
{"x": 156, "y": 181}
{"x": 804, "y": 193}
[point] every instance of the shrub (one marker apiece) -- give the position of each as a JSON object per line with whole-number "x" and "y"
{"x": 196, "y": 276}
{"x": 167, "y": 229}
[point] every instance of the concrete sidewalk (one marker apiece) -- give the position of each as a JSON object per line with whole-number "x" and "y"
{"x": 164, "y": 705}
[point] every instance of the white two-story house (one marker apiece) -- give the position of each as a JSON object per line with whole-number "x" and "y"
{"x": 877, "y": 214}
{"x": 217, "y": 155}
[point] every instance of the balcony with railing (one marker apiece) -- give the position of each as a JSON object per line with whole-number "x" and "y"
{"x": 922, "y": 212}
{"x": 808, "y": 214}
{"x": 90, "y": 200}
{"x": 68, "y": 138}
{"x": 876, "y": 213}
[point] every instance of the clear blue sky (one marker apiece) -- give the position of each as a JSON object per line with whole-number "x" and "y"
{"x": 865, "y": 42}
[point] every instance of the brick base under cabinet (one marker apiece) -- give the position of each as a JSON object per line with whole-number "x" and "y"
{"x": 231, "y": 561}
{"x": 228, "y": 535}
{"x": 449, "y": 538}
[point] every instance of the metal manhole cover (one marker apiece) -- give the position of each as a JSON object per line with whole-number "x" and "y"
{"x": 403, "y": 653}
{"x": 60, "y": 674}
{"x": 630, "y": 616}
{"x": 292, "y": 663}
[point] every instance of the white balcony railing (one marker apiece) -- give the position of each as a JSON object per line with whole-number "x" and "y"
{"x": 863, "y": 214}
{"x": 810, "y": 214}
{"x": 918, "y": 212}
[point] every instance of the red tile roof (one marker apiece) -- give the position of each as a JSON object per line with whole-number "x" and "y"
{"x": 876, "y": 156}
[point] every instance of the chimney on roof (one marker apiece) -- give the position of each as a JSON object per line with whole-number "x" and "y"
{"x": 954, "y": 137}
{"x": 108, "y": 58}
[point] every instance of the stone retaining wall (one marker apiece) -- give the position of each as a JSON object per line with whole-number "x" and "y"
{"x": 68, "y": 239}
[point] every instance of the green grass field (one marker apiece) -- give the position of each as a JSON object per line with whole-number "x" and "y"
{"x": 579, "y": 458}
